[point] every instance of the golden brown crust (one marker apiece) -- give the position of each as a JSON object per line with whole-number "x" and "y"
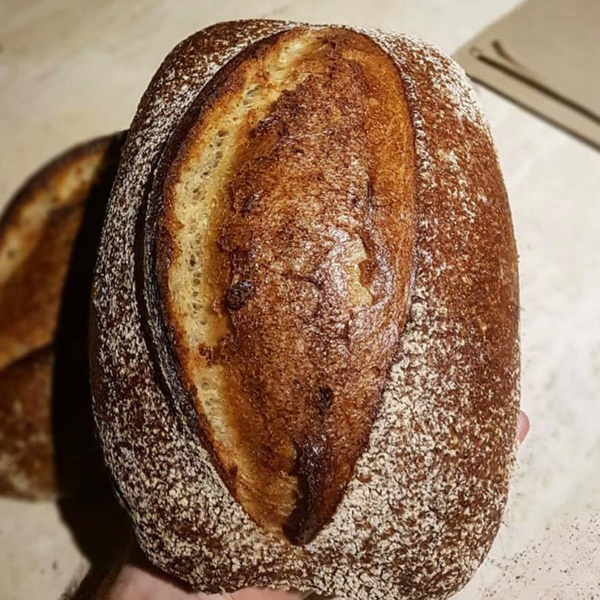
{"x": 312, "y": 262}
{"x": 37, "y": 233}
{"x": 30, "y": 299}
{"x": 48, "y": 241}
{"x": 426, "y": 495}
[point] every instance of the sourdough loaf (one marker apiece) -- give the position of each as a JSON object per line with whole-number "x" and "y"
{"x": 304, "y": 340}
{"x": 48, "y": 241}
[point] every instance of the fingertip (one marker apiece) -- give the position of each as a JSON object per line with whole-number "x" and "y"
{"x": 524, "y": 426}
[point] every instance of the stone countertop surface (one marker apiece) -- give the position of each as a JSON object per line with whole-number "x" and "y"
{"x": 71, "y": 70}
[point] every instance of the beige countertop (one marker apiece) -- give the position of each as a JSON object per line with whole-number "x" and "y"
{"x": 71, "y": 70}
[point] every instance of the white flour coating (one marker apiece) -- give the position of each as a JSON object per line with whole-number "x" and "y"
{"x": 426, "y": 498}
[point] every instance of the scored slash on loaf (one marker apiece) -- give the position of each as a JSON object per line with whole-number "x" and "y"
{"x": 294, "y": 218}
{"x": 304, "y": 348}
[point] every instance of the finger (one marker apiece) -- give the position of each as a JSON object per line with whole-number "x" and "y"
{"x": 135, "y": 583}
{"x": 524, "y": 426}
{"x": 262, "y": 594}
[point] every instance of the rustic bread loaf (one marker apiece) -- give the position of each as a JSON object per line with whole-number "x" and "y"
{"x": 304, "y": 340}
{"x": 48, "y": 241}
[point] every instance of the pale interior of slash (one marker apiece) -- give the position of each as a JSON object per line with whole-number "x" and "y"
{"x": 197, "y": 194}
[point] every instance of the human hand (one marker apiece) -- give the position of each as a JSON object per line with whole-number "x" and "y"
{"x": 140, "y": 581}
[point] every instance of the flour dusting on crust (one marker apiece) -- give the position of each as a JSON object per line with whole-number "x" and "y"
{"x": 427, "y": 496}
